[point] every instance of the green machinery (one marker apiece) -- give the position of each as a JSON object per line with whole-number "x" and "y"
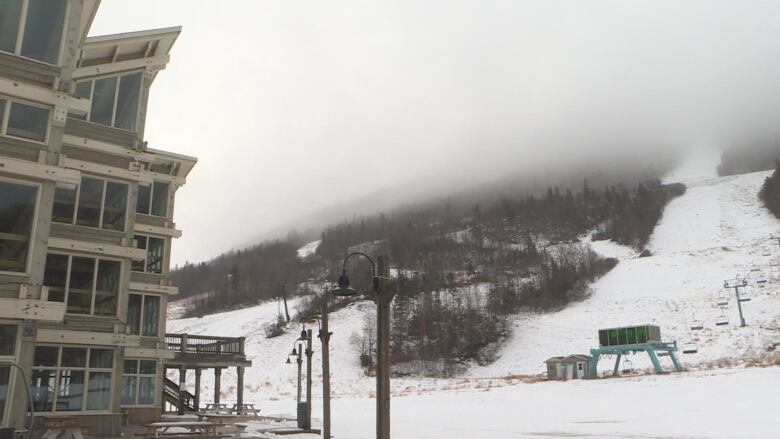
{"x": 631, "y": 340}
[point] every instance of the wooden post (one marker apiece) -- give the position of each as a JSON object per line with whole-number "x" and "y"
{"x": 383, "y": 299}
{"x": 182, "y": 385}
{"x": 240, "y": 391}
{"x": 325, "y": 339}
{"x": 197, "y": 389}
{"x": 217, "y": 384}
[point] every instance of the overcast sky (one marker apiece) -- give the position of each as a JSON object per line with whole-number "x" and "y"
{"x": 293, "y": 106}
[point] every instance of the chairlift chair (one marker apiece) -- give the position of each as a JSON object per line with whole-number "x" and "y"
{"x": 690, "y": 348}
{"x": 755, "y": 268}
{"x": 723, "y": 300}
{"x": 697, "y": 325}
{"x": 628, "y": 367}
{"x": 722, "y": 320}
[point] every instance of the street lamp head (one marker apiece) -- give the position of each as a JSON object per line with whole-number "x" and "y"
{"x": 304, "y": 337}
{"x": 344, "y": 290}
{"x": 288, "y": 361}
{"x": 294, "y": 353}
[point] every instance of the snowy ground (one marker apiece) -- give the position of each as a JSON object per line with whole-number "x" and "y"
{"x": 717, "y": 230}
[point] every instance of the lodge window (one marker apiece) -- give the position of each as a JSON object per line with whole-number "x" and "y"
{"x": 143, "y": 315}
{"x": 33, "y": 28}
{"x": 138, "y": 382}
{"x": 24, "y": 120}
{"x": 86, "y": 285}
{"x": 153, "y": 199}
{"x": 68, "y": 379}
{"x": 155, "y": 254}
{"x": 97, "y": 203}
{"x": 17, "y": 214}
{"x": 115, "y": 100}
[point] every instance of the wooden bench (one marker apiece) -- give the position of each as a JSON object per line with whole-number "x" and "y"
{"x": 245, "y": 409}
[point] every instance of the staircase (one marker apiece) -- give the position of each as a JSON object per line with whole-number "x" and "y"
{"x": 172, "y": 393}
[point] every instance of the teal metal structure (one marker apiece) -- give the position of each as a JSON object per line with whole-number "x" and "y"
{"x": 651, "y": 348}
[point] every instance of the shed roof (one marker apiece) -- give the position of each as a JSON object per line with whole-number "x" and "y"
{"x": 554, "y": 360}
{"x": 576, "y": 357}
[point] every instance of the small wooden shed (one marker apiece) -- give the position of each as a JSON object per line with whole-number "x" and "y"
{"x": 573, "y": 367}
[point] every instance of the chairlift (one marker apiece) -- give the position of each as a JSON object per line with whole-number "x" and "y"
{"x": 755, "y": 268}
{"x": 723, "y": 300}
{"x": 628, "y": 367}
{"x": 722, "y": 320}
{"x": 697, "y": 325}
{"x": 690, "y": 348}
{"x": 744, "y": 299}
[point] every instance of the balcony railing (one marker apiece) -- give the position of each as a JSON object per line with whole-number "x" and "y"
{"x": 204, "y": 344}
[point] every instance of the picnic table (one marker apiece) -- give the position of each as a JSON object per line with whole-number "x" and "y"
{"x": 217, "y": 408}
{"x": 218, "y": 418}
{"x": 193, "y": 429}
{"x": 245, "y": 409}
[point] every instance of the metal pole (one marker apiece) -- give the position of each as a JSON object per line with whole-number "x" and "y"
{"x": 383, "y": 299}
{"x": 325, "y": 339}
{"x": 309, "y": 353}
{"x": 299, "y": 360}
{"x": 739, "y": 305}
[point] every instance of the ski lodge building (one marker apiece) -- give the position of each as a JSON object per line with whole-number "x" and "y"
{"x": 86, "y": 225}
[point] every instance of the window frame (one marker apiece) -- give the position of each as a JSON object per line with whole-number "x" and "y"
{"x": 23, "y": 25}
{"x": 94, "y": 282}
{"x": 146, "y": 256}
{"x": 160, "y": 323}
{"x": 7, "y": 114}
{"x": 105, "y": 180}
{"x": 34, "y": 229}
{"x": 92, "y": 79}
{"x": 138, "y": 375}
{"x": 151, "y": 200}
{"x": 13, "y": 372}
{"x": 87, "y": 369}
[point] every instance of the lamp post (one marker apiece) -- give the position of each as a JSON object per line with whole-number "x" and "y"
{"x": 380, "y": 273}
{"x": 298, "y": 354}
{"x": 306, "y": 337}
{"x": 324, "y": 336}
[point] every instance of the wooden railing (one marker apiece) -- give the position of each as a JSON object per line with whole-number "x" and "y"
{"x": 193, "y": 344}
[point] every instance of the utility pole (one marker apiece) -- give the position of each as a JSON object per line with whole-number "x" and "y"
{"x": 325, "y": 339}
{"x": 383, "y": 299}
{"x": 736, "y": 284}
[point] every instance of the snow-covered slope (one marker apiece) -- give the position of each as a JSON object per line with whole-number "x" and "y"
{"x": 716, "y": 231}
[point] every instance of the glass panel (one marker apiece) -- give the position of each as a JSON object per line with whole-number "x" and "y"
{"x": 90, "y": 200}
{"x": 43, "y": 31}
{"x": 71, "y": 390}
{"x": 74, "y": 357}
{"x": 99, "y": 392}
{"x": 148, "y": 367}
{"x": 613, "y": 337}
{"x": 7, "y": 341}
{"x": 83, "y": 90}
{"x": 115, "y": 206}
{"x": 631, "y": 335}
{"x": 128, "y": 389}
{"x": 622, "y": 336}
{"x": 2, "y": 104}
{"x": 146, "y": 390}
{"x": 55, "y": 276}
{"x": 140, "y": 242}
{"x": 64, "y": 205}
{"x": 154, "y": 257}
{"x": 144, "y": 198}
{"x": 5, "y": 374}
{"x": 42, "y": 386}
{"x": 127, "y": 101}
{"x": 27, "y": 122}
{"x": 103, "y": 101}
{"x": 130, "y": 366}
{"x": 16, "y": 217}
{"x": 160, "y": 199}
{"x": 151, "y": 315}
{"x": 101, "y": 358}
{"x": 107, "y": 287}
{"x": 134, "y": 314}
{"x": 641, "y": 334}
{"x": 603, "y": 338}
{"x": 46, "y": 356}
{"x": 82, "y": 275}
{"x": 10, "y": 12}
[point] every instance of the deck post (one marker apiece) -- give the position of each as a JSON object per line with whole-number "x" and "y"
{"x": 197, "y": 389}
{"x": 217, "y": 383}
{"x": 617, "y": 366}
{"x": 240, "y": 390}
{"x": 182, "y": 386}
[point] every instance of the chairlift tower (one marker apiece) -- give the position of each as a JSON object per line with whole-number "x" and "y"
{"x": 736, "y": 284}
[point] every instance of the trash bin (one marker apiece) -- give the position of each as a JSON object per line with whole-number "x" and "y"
{"x": 302, "y": 421}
